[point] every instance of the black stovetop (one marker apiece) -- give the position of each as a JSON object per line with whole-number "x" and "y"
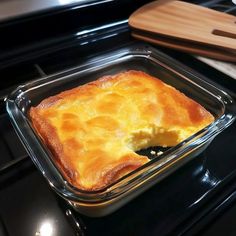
{"x": 189, "y": 202}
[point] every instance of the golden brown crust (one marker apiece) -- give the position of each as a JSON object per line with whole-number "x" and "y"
{"x": 49, "y": 135}
{"x": 94, "y": 130}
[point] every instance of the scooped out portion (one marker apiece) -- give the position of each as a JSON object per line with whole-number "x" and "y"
{"x": 94, "y": 130}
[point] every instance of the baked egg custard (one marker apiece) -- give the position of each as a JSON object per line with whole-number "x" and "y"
{"x": 93, "y": 131}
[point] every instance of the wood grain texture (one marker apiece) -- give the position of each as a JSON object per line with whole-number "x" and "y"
{"x": 187, "y": 21}
{"x": 189, "y": 48}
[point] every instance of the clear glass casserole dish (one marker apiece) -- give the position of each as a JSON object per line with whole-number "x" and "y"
{"x": 137, "y": 57}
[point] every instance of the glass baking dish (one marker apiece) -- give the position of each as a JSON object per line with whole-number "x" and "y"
{"x": 135, "y": 57}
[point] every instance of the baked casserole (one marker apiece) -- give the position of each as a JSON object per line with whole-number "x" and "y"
{"x": 93, "y": 131}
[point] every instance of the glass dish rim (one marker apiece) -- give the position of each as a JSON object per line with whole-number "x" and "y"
{"x": 115, "y": 189}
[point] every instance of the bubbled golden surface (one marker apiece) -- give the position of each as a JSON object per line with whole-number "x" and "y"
{"x": 94, "y": 130}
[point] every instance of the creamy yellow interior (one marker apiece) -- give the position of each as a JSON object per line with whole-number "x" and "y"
{"x": 100, "y": 125}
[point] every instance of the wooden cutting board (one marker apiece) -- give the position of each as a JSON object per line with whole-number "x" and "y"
{"x": 187, "y": 22}
{"x": 188, "y": 47}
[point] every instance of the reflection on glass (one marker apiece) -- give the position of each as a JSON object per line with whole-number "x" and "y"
{"x": 210, "y": 181}
{"x": 46, "y": 229}
{"x": 69, "y": 1}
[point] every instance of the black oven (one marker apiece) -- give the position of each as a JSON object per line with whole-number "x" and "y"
{"x": 38, "y": 40}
